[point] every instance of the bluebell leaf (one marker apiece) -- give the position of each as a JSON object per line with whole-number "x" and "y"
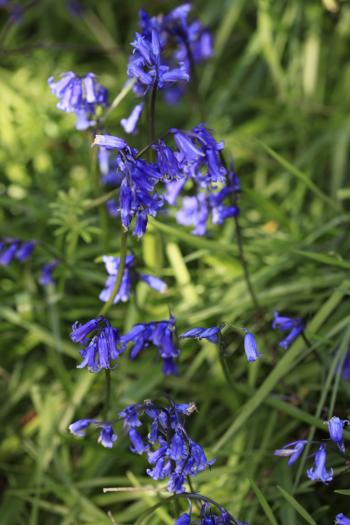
{"x": 250, "y": 347}
{"x": 319, "y": 472}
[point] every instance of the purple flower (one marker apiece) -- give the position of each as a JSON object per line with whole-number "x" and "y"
{"x": 292, "y": 451}
{"x": 319, "y": 472}
{"x": 137, "y": 195}
{"x": 341, "y": 519}
{"x": 211, "y": 334}
{"x": 194, "y": 212}
{"x": 107, "y": 436}
{"x": 78, "y": 428}
{"x": 294, "y": 326}
{"x": 159, "y": 334}
{"x": 146, "y": 67}
{"x": 345, "y": 369}
{"x": 184, "y": 519}
{"x": 170, "y": 451}
{"x": 335, "y": 428}
{"x": 250, "y": 346}
{"x": 11, "y": 249}
{"x": 101, "y": 343}
{"x": 79, "y": 95}
{"x": 130, "y": 275}
{"x": 46, "y": 278}
{"x": 129, "y": 124}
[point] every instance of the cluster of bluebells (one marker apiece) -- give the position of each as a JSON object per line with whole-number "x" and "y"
{"x": 195, "y": 163}
{"x": 18, "y": 250}
{"x": 319, "y": 471}
{"x": 136, "y": 181}
{"x": 294, "y": 327}
{"x": 81, "y": 95}
{"x": 165, "y": 50}
{"x": 130, "y": 277}
{"x": 209, "y": 514}
{"x": 172, "y": 454}
{"x": 102, "y": 343}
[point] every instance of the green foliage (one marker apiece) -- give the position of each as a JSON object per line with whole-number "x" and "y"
{"x": 277, "y": 94}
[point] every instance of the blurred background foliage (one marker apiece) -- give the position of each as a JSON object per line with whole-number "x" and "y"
{"x": 277, "y": 92}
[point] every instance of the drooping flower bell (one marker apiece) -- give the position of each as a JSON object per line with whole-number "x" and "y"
{"x": 46, "y": 277}
{"x": 81, "y": 95}
{"x": 287, "y": 324}
{"x": 250, "y": 346}
{"x": 335, "y": 428}
{"x": 11, "y": 249}
{"x": 106, "y": 437}
{"x": 138, "y": 178}
{"x": 319, "y": 472}
{"x": 100, "y": 341}
{"x": 341, "y": 519}
{"x": 292, "y": 451}
{"x": 130, "y": 276}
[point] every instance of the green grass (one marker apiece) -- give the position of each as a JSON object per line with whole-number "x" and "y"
{"x": 277, "y": 94}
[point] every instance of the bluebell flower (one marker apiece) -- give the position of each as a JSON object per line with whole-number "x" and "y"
{"x": 171, "y": 453}
{"x": 250, "y": 346}
{"x": 107, "y": 436}
{"x": 184, "y": 519}
{"x": 129, "y": 124}
{"x": 335, "y": 428}
{"x": 78, "y": 428}
{"x": 146, "y": 67}
{"x": 46, "y": 278}
{"x": 292, "y": 451}
{"x": 186, "y": 42}
{"x": 75, "y": 8}
{"x": 341, "y": 519}
{"x": 101, "y": 343}
{"x": 80, "y": 95}
{"x": 345, "y": 368}
{"x": 137, "y": 196}
{"x": 130, "y": 275}
{"x": 319, "y": 472}
{"x": 211, "y": 334}
{"x": 295, "y": 326}
{"x": 194, "y": 212}
{"x": 159, "y": 334}
{"x": 11, "y": 249}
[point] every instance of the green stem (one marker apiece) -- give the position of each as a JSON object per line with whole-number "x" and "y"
{"x": 244, "y": 264}
{"x": 123, "y": 251}
{"x": 108, "y": 393}
{"x": 93, "y": 203}
{"x": 151, "y": 121}
{"x": 97, "y": 190}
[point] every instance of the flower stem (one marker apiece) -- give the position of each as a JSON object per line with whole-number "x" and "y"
{"x": 152, "y": 114}
{"x": 108, "y": 393}
{"x": 244, "y": 264}
{"x": 118, "y": 281}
